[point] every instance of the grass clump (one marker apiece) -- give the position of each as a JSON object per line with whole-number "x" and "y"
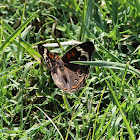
{"x": 32, "y": 107}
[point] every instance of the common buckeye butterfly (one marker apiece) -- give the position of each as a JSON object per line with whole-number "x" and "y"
{"x": 67, "y": 76}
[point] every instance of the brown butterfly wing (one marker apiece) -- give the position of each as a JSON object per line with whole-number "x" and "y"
{"x": 67, "y": 76}
{"x": 81, "y": 52}
{"x": 48, "y": 57}
{"x": 69, "y": 79}
{"x": 74, "y": 76}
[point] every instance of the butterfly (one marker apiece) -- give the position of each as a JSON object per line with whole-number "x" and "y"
{"x": 68, "y": 76}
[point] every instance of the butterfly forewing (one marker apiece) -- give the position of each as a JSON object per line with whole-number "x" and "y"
{"x": 81, "y": 52}
{"x": 48, "y": 57}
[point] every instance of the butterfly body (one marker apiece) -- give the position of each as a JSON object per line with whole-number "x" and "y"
{"x": 67, "y": 76}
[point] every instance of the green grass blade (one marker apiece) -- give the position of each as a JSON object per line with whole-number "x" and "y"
{"x": 8, "y": 27}
{"x": 86, "y": 19}
{"x": 124, "y": 75}
{"x": 23, "y": 44}
{"x": 83, "y": 20}
{"x": 98, "y": 133}
{"x": 115, "y": 11}
{"x": 96, "y": 119}
{"x": 103, "y": 48}
{"x": 16, "y": 32}
{"x": 29, "y": 49}
{"x": 51, "y": 122}
{"x": 1, "y": 30}
{"x": 10, "y": 71}
{"x": 105, "y": 64}
{"x": 137, "y": 3}
{"x": 123, "y": 116}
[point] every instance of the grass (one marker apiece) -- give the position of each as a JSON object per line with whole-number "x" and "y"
{"x": 32, "y": 107}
